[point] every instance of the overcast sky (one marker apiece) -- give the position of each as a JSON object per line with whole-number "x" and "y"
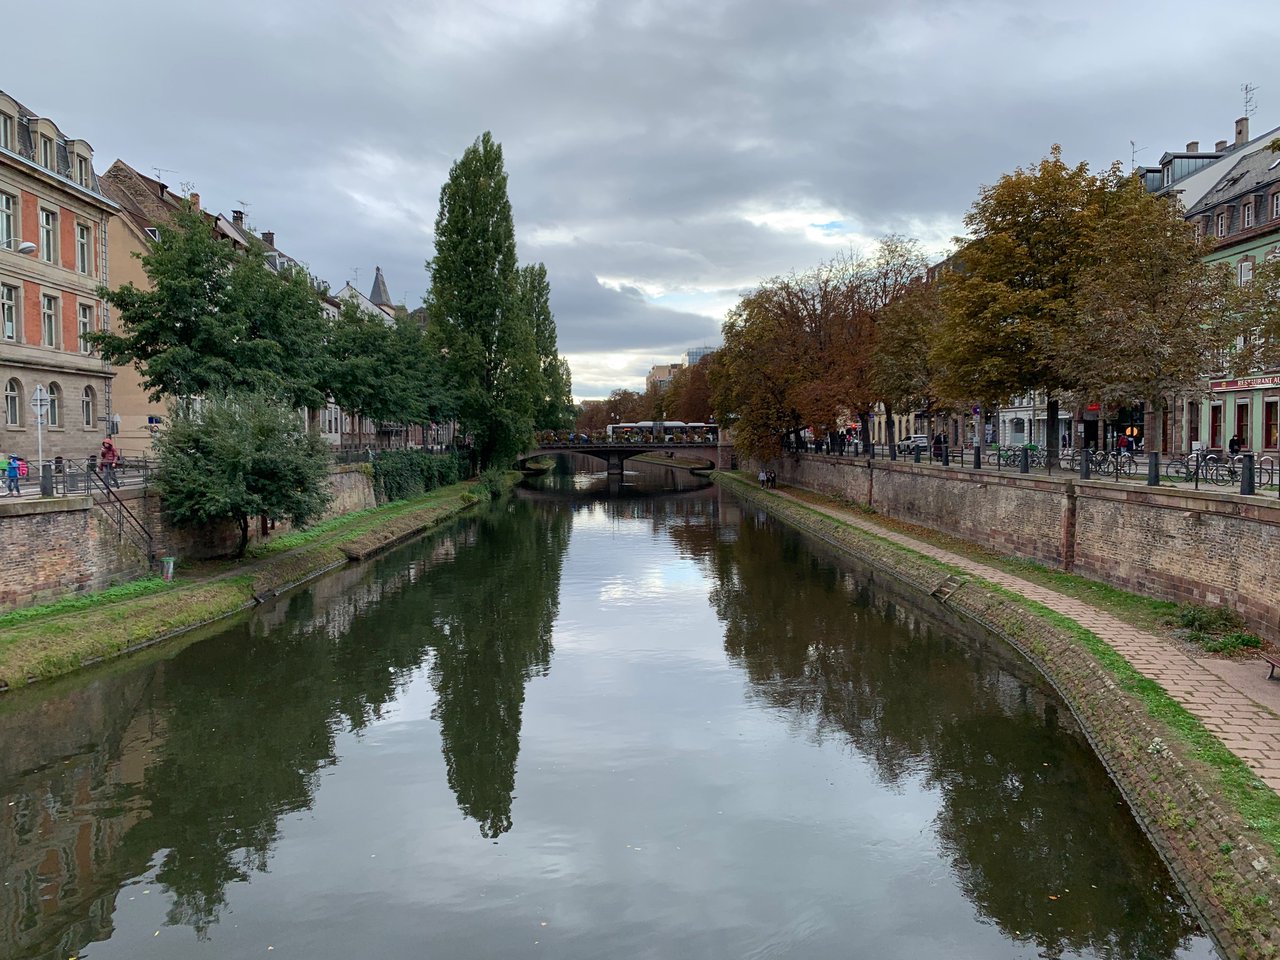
{"x": 663, "y": 155}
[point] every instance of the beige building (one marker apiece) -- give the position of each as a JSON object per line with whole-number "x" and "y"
{"x": 53, "y": 257}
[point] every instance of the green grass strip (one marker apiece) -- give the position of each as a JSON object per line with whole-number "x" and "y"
{"x": 125, "y": 591}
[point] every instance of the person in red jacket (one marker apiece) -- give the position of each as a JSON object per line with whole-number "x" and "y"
{"x": 108, "y": 458}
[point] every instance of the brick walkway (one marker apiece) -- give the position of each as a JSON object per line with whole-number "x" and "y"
{"x": 1243, "y": 711}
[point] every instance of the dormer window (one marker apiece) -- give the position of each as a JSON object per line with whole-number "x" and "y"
{"x": 84, "y": 171}
{"x": 6, "y": 131}
{"x": 1168, "y": 174}
{"x": 1222, "y": 224}
{"x": 153, "y": 233}
{"x": 1246, "y": 215}
{"x": 47, "y": 154}
{"x": 1275, "y": 206}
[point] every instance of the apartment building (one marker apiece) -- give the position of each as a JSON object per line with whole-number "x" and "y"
{"x": 53, "y": 258}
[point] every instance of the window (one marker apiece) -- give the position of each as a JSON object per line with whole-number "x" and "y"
{"x": 47, "y": 154}
{"x": 1168, "y": 174}
{"x": 86, "y": 326}
{"x": 1242, "y": 422}
{"x": 1222, "y": 224}
{"x": 8, "y": 312}
{"x": 6, "y": 131}
{"x": 153, "y": 233}
{"x": 1246, "y": 214}
{"x": 1193, "y": 421}
{"x": 8, "y": 204}
{"x": 88, "y": 414}
{"x": 54, "y": 418}
{"x": 84, "y": 249}
{"x": 84, "y": 172}
{"x": 1195, "y": 232}
{"x": 49, "y": 321}
{"x": 1244, "y": 271}
{"x": 1275, "y": 206}
{"x": 48, "y": 236}
{"x": 1271, "y": 424}
{"x": 13, "y": 403}
{"x": 1215, "y": 426}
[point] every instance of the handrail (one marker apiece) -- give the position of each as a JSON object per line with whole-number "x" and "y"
{"x": 121, "y": 516}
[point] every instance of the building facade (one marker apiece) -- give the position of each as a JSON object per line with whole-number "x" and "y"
{"x": 53, "y": 257}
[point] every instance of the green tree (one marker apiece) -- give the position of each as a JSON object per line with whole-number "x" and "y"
{"x": 491, "y": 357}
{"x": 689, "y": 395}
{"x": 555, "y": 398}
{"x": 237, "y": 457}
{"x": 215, "y": 321}
{"x": 904, "y": 374}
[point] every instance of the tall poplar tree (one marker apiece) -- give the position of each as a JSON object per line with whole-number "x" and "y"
{"x": 554, "y": 409}
{"x": 491, "y": 358}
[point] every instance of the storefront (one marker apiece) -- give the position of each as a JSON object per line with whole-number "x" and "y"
{"x": 1247, "y": 408}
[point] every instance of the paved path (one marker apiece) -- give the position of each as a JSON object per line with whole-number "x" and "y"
{"x": 1233, "y": 700}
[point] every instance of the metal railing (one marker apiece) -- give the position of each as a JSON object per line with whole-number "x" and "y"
{"x": 124, "y": 520}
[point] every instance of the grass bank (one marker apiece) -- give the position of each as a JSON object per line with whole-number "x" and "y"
{"x": 38, "y": 643}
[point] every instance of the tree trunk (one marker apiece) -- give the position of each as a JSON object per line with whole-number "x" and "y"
{"x": 244, "y": 535}
{"x": 1153, "y": 440}
{"x": 864, "y": 422}
{"x": 889, "y": 432}
{"x": 1051, "y": 441}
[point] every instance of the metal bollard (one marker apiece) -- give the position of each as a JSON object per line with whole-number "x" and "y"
{"x": 917, "y": 454}
{"x": 1086, "y": 461}
{"x": 1024, "y": 460}
{"x": 977, "y": 457}
{"x": 1246, "y": 476}
{"x": 1153, "y": 470}
{"x": 946, "y": 455}
{"x": 893, "y": 451}
{"x": 46, "y": 479}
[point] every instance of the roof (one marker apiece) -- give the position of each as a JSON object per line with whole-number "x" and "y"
{"x": 379, "y": 295}
{"x": 1253, "y": 172}
{"x": 26, "y": 148}
{"x": 1192, "y": 189}
{"x": 144, "y": 200}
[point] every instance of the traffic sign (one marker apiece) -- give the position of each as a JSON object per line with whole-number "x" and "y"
{"x": 40, "y": 399}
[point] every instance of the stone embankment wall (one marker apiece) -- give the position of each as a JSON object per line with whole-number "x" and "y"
{"x": 67, "y": 545}
{"x": 1227, "y": 873}
{"x": 1172, "y": 544}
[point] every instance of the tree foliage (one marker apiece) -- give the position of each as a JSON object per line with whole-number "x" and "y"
{"x": 240, "y": 456}
{"x": 689, "y": 394}
{"x": 554, "y": 404}
{"x": 216, "y": 320}
{"x": 487, "y": 339}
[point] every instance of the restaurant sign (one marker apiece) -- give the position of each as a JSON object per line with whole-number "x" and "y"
{"x": 1245, "y": 383}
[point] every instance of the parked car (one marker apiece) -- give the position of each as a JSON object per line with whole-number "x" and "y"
{"x": 910, "y": 444}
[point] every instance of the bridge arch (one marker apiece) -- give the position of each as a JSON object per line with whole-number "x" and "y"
{"x": 615, "y": 455}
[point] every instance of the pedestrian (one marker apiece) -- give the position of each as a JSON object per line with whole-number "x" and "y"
{"x": 1233, "y": 445}
{"x": 11, "y": 477}
{"x": 1066, "y": 441}
{"x": 763, "y": 478}
{"x": 108, "y": 458}
{"x": 772, "y": 480}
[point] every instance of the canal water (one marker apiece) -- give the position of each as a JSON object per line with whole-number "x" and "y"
{"x": 600, "y": 719}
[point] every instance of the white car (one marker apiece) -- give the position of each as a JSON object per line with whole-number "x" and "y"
{"x": 913, "y": 443}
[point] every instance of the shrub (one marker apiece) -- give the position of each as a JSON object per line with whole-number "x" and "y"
{"x": 401, "y": 474}
{"x": 1193, "y": 616}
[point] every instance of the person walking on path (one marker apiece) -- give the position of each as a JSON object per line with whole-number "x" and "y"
{"x": 11, "y": 478}
{"x": 1233, "y": 445}
{"x": 108, "y": 459}
{"x": 763, "y": 478}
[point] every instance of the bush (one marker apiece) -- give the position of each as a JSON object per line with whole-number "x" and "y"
{"x": 493, "y": 483}
{"x": 1193, "y": 616}
{"x": 402, "y": 474}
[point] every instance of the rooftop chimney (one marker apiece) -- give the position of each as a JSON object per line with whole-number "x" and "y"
{"x": 195, "y": 200}
{"x": 269, "y": 237}
{"x": 163, "y": 189}
{"x": 1193, "y": 146}
{"x": 1220, "y": 146}
{"x": 1242, "y": 131}
{"x": 237, "y": 217}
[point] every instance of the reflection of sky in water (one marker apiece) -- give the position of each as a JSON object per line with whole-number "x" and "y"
{"x": 667, "y": 801}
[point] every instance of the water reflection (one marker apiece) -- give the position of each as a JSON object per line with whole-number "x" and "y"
{"x": 1028, "y": 816}
{"x": 179, "y": 776}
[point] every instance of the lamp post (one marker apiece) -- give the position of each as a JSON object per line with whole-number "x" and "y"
{"x": 25, "y": 247}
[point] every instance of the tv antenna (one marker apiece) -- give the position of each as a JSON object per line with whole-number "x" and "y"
{"x": 244, "y": 208}
{"x": 161, "y": 171}
{"x": 355, "y": 272}
{"x": 1134, "y": 150}
{"x": 1250, "y": 108}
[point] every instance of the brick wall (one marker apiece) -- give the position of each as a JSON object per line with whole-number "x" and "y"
{"x": 63, "y": 546}
{"x": 1181, "y": 545}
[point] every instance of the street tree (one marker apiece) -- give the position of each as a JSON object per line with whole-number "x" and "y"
{"x": 1254, "y": 309}
{"x": 1149, "y": 309}
{"x": 903, "y": 366}
{"x": 555, "y": 397}
{"x": 216, "y": 320}
{"x": 491, "y": 356}
{"x": 1010, "y": 304}
{"x": 239, "y": 456}
{"x": 689, "y": 394}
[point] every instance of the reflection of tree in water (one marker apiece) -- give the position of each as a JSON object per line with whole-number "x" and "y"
{"x": 1027, "y": 812}
{"x": 489, "y": 625}
{"x": 251, "y": 716}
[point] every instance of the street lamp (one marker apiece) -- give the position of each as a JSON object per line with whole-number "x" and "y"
{"x": 25, "y": 247}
